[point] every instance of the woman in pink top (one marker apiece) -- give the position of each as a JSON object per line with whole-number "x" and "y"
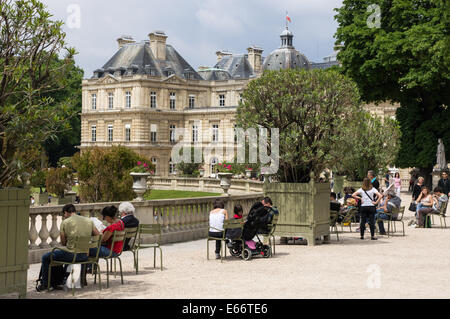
{"x": 397, "y": 184}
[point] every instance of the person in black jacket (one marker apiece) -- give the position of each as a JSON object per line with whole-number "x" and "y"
{"x": 444, "y": 184}
{"x": 373, "y": 180}
{"x": 126, "y": 211}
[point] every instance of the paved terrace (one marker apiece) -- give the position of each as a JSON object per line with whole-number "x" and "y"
{"x": 414, "y": 266}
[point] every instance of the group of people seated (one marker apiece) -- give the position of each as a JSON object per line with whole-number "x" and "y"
{"x": 74, "y": 225}
{"x": 371, "y": 205}
{"x": 429, "y": 203}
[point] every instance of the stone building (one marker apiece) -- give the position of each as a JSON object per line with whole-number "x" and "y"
{"x": 147, "y": 92}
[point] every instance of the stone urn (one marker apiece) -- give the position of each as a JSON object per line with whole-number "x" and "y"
{"x": 140, "y": 184}
{"x": 202, "y": 172}
{"x": 248, "y": 173}
{"x": 225, "y": 181}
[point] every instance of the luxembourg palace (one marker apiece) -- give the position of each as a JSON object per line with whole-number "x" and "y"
{"x": 147, "y": 92}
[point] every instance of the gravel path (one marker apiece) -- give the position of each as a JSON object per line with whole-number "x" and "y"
{"x": 414, "y": 266}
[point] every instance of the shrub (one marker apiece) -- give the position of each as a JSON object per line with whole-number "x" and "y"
{"x": 104, "y": 173}
{"x": 38, "y": 179}
{"x": 58, "y": 181}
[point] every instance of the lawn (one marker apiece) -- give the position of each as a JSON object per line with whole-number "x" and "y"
{"x": 170, "y": 194}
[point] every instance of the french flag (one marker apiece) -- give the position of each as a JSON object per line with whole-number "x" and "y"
{"x": 288, "y": 18}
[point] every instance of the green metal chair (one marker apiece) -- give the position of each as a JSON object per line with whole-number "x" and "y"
{"x": 348, "y": 218}
{"x": 441, "y": 213}
{"x": 131, "y": 234}
{"x": 148, "y": 229}
{"x": 117, "y": 237}
{"x": 223, "y": 239}
{"x": 81, "y": 246}
{"x": 333, "y": 222}
{"x": 391, "y": 221}
{"x": 271, "y": 232}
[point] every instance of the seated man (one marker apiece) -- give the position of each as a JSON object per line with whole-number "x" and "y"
{"x": 392, "y": 201}
{"x": 73, "y": 226}
{"x": 334, "y": 204}
{"x": 126, "y": 211}
{"x": 439, "y": 198}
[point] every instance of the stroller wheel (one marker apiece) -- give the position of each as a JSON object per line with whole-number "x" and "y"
{"x": 247, "y": 254}
{"x": 235, "y": 252}
{"x": 267, "y": 252}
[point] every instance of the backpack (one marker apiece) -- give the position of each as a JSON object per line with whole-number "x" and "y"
{"x": 59, "y": 276}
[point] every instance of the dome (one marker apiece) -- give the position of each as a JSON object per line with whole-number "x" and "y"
{"x": 286, "y": 57}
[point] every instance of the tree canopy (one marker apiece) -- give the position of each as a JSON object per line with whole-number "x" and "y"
{"x": 311, "y": 109}
{"x": 35, "y": 64}
{"x": 405, "y": 60}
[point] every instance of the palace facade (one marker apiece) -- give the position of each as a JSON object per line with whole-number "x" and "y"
{"x": 147, "y": 92}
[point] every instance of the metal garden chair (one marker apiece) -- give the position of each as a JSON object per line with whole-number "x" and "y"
{"x": 148, "y": 229}
{"x": 81, "y": 246}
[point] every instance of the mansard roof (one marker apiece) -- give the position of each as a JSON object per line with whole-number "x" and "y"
{"x": 138, "y": 58}
{"x": 236, "y": 65}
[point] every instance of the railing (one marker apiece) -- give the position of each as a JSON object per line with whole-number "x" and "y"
{"x": 238, "y": 186}
{"x": 181, "y": 219}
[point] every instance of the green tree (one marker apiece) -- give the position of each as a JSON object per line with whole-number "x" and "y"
{"x": 31, "y": 43}
{"x": 367, "y": 144}
{"x": 405, "y": 60}
{"x": 64, "y": 144}
{"x": 104, "y": 173}
{"x": 311, "y": 110}
{"x": 58, "y": 180}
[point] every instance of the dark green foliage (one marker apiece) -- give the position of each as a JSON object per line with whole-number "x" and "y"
{"x": 35, "y": 64}
{"x": 406, "y": 60}
{"x": 311, "y": 109}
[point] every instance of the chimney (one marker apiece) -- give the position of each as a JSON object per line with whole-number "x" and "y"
{"x": 221, "y": 54}
{"x": 255, "y": 58}
{"x": 124, "y": 39}
{"x": 158, "y": 44}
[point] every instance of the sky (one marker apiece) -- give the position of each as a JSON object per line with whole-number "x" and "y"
{"x": 195, "y": 28}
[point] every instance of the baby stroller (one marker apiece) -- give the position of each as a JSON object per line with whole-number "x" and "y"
{"x": 257, "y": 221}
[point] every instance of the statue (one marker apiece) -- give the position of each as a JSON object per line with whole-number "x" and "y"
{"x": 440, "y": 156}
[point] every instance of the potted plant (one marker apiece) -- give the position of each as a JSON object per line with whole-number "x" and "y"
{"x": 310, "y": 109}
{"x": 248, "y": 172}
{"x": 38, "y": 180}
{"x": 225, "y": 173}
{"x": 201, "y": 171}
{"x": 140, "y": 174}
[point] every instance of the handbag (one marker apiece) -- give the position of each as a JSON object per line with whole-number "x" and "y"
{"x": 412, "y": 207}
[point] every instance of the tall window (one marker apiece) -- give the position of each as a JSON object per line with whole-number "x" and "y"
{"x": 153, "y": 132}
{"x": 94, "y": 101}
{"x": 110, "y": 101}
{"x": 215, "y": 133}
{"x": 155, "y": 162}
{"x": 110, "y": 133}
{"x": 194, "y": 133}
{"x": 171, "y": 167}
{"x": 94, "y": 133}
{"x": 214, "y": 162}
{"x": 240, "y": 97}
{"x": 191, "y": 101}
{"x": 128, "y": 100}
{"x": 153, "y": 100}
{"x": 127, "y": 132}
{"x": 172, "y": 101}
{"x": 235, "y": 134}
{"x": 222, "y": 100}
{"x": 172, "y": 133}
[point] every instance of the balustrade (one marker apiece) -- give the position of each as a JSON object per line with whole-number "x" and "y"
{"x": 175, "y": 216}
